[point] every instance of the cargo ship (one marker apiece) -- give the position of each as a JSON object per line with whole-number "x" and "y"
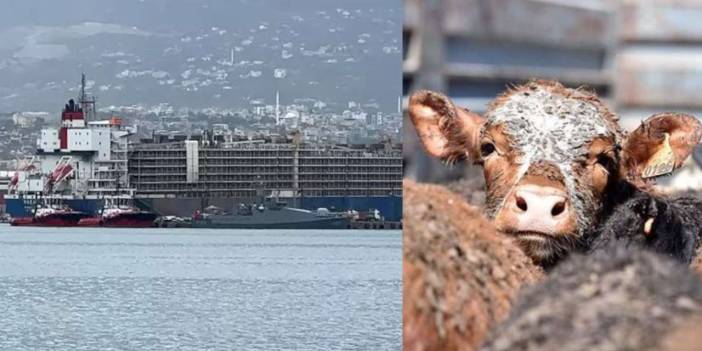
{"x": 81, "y": 164}
{"x": 87, "y": 163}
{"x": 181, "y": 177}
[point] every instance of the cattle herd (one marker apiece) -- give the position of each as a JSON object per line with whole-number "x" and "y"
{"x": 574, "y": 247}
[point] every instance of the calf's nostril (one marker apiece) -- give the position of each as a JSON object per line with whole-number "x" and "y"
{"x": 521, "y": 203}
{"x": 558, "y": 208}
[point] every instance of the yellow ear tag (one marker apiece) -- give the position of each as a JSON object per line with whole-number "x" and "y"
{"x": 662, "y": 162}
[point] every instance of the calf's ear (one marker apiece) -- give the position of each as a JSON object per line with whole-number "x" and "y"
{"x": 661, "y": 144}
{"x": 447, "y": 132}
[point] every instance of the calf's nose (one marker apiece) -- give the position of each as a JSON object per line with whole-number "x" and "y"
{"x": 536, "y": 208}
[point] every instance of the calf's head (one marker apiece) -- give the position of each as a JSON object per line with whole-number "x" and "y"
{"x": 550, "y": 156}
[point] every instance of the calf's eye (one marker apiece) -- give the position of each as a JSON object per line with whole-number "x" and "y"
{"x": 486, "y": 149}
{"x": 605, "y": 161}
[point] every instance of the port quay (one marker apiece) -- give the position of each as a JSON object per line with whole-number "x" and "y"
{"x": 93, "y": 172}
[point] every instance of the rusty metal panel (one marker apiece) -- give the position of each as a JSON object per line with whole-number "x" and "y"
{"x": 586, "y": 24}
{"x": 550, "y": 22}
{"x": 659, "y": 76}
{"x": 466, "y": 17}
{"x": 572, "y": 24}
{"x": 412, "y": 13}
{"x": 631, "y": 118}
{"x": 460, "y": 16}
{"x": 668, "y": 20}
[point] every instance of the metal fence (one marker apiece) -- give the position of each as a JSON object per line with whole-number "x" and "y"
{"x": 642, "y": 57}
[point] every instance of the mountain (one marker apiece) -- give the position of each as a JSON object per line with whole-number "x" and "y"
{"x": 200, "y": 53}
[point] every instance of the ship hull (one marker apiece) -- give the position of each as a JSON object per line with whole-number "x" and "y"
{"x": 137, "y": 220}
{"x": 22, "y": 207}
{"x": 325, "y": 223}
{"x": 53, "y": 220}
{"x": 255, "y": 217}
{"x": 132, "y": 220}
{"x": 389, "y": 206}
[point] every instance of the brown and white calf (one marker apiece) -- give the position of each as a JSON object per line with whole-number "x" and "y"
{"x": 555, "y": 159}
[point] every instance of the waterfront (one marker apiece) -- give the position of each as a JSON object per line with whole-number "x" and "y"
{"x": 81, "y": 288}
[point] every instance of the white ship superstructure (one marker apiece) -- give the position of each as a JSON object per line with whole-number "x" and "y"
{"x": 82, "y": 158}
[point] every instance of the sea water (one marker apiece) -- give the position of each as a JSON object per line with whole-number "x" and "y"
{"x": 199, "y": 289}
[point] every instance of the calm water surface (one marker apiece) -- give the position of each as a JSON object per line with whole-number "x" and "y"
{"x": 185, "y": 289}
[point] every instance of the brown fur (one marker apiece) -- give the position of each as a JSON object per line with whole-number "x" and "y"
{"x": 644, "y": 141}
{"x": 696, "y": 264}
{"x": 618, "y": 298}
{"x": 472, "y": 190}
{"x": 460, "y": 276}
{"x": 499, "y": 172}
{"x": 451, "y": 133}
{"x": 684, "y": 337}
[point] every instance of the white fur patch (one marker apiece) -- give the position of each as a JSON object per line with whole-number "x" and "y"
{"x": 550, "y": 128}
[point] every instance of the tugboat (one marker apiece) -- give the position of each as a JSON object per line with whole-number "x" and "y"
{"x": 125, "y": 216}
{"x": 51, "y": 216}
